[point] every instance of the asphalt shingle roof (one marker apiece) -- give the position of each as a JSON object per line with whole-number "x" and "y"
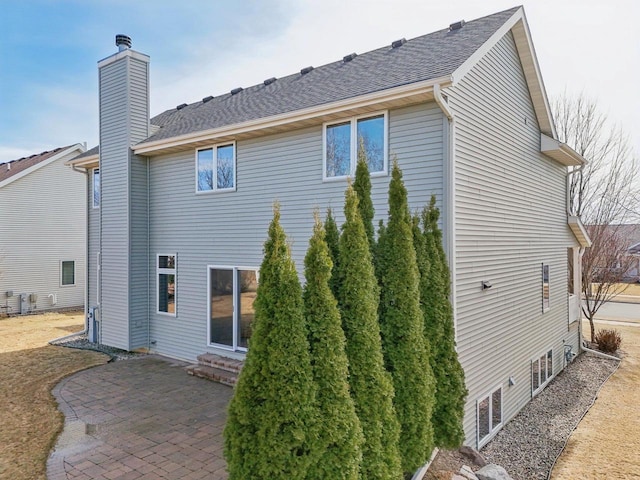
{"x": 13, "y": 167}
{"x": 423, "y": 58}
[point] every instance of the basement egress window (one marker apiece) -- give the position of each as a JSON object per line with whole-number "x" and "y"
{"x": 541, "y": 372}
{"x": 489, "y": 415}
{"x": 344, "y": 141}
{"x": 166, "y": 273}
{"x": 216, "y": 168}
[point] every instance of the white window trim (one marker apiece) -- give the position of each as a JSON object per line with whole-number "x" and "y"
{"x": 214, "y": 149}
{"x": 354, "y": 145}
{"x": 494, "y": 428}
{"x": 168, "y": 271}
{"x": 542, "y": 385}
{"x": 74, "y": 274}
{"x": 548, "y": 307}
{"x": 234, "y": 269}
{"x": 93, "y": 187}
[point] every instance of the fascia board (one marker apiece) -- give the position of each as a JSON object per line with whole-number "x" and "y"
{"x": 292, "y": 117}
{"x": 522, "y": 36}
{"x": 43, "y": 164}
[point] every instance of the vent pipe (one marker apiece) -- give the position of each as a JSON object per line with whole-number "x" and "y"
{"x": 123, "y": 42}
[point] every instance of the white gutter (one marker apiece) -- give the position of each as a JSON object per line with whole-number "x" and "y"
{"x": 449, "y": 199}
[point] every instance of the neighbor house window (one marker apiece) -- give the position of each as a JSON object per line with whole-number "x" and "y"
{"x": 67, "y": 273}
{"x": 166, "y": 268}
{"x": 232, "y": 293}
{"x": 489, "y": 415}
{"x": 545, "y": 287}
{"x": 345, "y": 141}
{"x": 216, "y": 168}
{"x": 541, "y": 372}
{"x": 96, "y": 187}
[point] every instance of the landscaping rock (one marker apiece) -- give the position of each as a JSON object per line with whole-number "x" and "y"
{"x": 473, "y": 455}
{"x": 493, "y": 472}
{"x": 467, "y": 473}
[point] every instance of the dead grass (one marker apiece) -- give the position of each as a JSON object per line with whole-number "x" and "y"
{"x": 29, "y": 369}
{"x": 632, "y": 289}
{"x": 607, "y": 441}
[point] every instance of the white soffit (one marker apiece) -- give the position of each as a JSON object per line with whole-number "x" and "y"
{"x": 560, "y": 152}
{"x": 576, "y": 226}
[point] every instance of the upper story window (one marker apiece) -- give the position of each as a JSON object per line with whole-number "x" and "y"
{"x": 545, "y": 288}
{"x": 216, "y": 168}
{"x": 345, "y": 141}
{"x": 96, "y": 187}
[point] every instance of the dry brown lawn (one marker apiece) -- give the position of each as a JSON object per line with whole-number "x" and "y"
{"x": 29, "y": 369}
{"x": 632, "y": 289}
{"x": 606, "y": 443}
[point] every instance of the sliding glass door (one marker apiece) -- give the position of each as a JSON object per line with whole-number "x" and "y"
{"x": 232, "y": 291}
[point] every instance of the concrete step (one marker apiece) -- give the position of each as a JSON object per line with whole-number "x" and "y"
{"x": 220, "y": 362}
{"x": 214, "y": 374}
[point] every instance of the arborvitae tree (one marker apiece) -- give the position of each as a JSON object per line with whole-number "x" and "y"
{"x": 401, "y": 324}
{"x": 362, "y": 186}
{"x": 332, "y": 236}
{"x": 371, "y": 384}
{"x": 271, "y": 430}
{"x": 435, "y": 286}
{"x": 340, "y": 434}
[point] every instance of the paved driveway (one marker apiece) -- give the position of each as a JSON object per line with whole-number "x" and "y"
{"x": 140, "y": 419}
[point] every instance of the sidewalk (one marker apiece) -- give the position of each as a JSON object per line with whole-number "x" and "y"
{"x": 140, "y": 419}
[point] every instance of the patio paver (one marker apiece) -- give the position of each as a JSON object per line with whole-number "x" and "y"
{"x": 141, "y": 418}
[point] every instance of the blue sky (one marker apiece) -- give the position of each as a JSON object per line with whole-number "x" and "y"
{"x": 49, "y": 51}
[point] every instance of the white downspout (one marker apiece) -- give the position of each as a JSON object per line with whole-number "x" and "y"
{"x": 85, "y": 172}
{"x": 450, "y": 197}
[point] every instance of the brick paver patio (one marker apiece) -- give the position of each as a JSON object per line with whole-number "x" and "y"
{"x": 140, "y": 419}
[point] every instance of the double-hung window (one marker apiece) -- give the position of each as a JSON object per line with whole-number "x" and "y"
{"x": 489, "y": 415}
{"x": 216, "y": 168}
{"x": 166, "y": 275}
{"x": 357, "y": 137}
{"x": 96, "y": 187}
{"x": 541, "y": 372}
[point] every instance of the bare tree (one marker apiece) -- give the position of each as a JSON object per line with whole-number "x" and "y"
{"x": 605, "y": 193}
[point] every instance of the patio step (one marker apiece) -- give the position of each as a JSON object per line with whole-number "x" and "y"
{"x": 216, "y": 368}
{"x": 214, "y": 374}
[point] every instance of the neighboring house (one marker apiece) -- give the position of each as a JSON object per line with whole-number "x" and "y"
{"x": 623, "y": 237}
{"x": 42, "y": 233}
{"x": 175, "y": 241}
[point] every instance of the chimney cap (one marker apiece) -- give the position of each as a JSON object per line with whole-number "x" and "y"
{"x": 123, "y": 42}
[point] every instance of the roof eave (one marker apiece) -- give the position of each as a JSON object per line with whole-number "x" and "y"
{"x": 579, "y": 231}
{"x": 78, "y": 146}
{"x": 560, "y": 152}
{"x": 289, "y": 119}
{"x": 84, "y": 162}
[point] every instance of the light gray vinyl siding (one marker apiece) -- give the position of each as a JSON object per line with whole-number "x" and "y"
{"x": 510, "y": 219}
{"x": 42, "y": 223}
{"x": 93, "y": 244}
{"x": 139, "y": 271}
{"x": 229, "y": 228}
{"x": 123, "y": 122}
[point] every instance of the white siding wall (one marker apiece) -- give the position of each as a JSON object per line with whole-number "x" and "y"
{"x": 42, "y": 222}
{"x": 511, "y": 217}
{"x": 230, "y": 228}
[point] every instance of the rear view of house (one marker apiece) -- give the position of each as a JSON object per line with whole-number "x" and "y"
{"x": 175, "y": 237}
{"x": 42, "y": 233}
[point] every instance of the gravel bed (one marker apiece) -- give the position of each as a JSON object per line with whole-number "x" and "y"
{"x": 528, "y": 446}
{"x": 81, "y": 342}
